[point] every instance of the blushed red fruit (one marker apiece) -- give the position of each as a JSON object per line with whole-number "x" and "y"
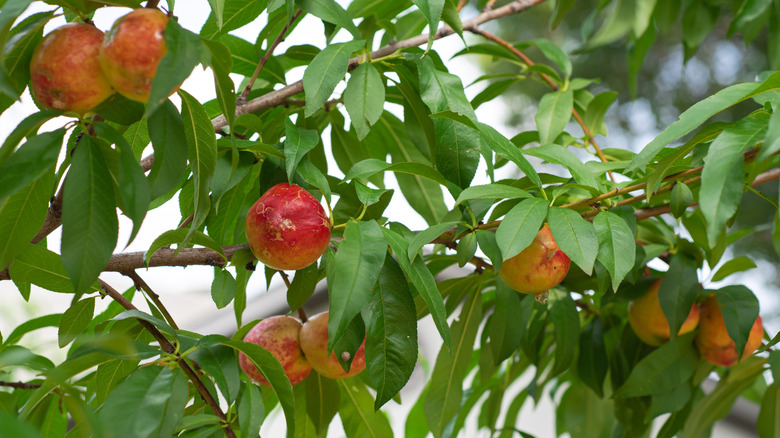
{"x": 131, "y": 51}
{"x": 65, "y": 73}
{"x": 649, "y": 322}
{"x": 287, "y": 228}
{"x": 539, "y": 267}
{"x": 314, "y": 343}
{"x": 713, "y": 339}
{"x": 278, "y": 335}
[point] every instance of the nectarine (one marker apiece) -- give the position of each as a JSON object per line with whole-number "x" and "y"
{"x": 278, "y": 335}
{"x": 539, "y": 267}
{"x": 649, "y": 322}
{"x": 713, "y": 339}
{"x": 314, "y": 343}
{"x": 287, "y": 228}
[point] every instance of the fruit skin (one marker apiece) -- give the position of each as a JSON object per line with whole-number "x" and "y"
{"x": 278, "y": 335}
{"x": 713, "y": 339}
{"x": 539, "y": 267}
{"x": 65, "y": 73}
{"x": 131, "y": 51}
{"x": 314, "y": 343}
{"x": 649, "y": 322}
{"x": 287, "y": 228}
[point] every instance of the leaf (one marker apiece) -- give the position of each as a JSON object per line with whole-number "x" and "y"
{"x": 41, "y": 267}
{"x": 597, "y": 108}
{"x": 166, "y": 130}
{"x": 699, "y": 113}
{"x": 566, "y": 321}
{"x": 75, "y": 320}
{"x": 431, "y": 10}
{"x": 583, "y": 414}
{"x": 89, "y": 222}
{"x": 159, "y": 323}
{"x": 202, "y": 156}
{"x": 768, "y": 423}
{"x": 721, "y": 179}
{"x": 553, "y": 115}
{"x": 505, "y": 328}
{"x": 110, "y": 374}
{"x": 322, "y": 401}
{"x": 617, "y": 248}
{"x": 251, "y": 410}
{"x": 217, "y": 10}
{"x": 26, "y": 128}
{"x": 372, "y": 166}
{"x": 737, "y": 264}
{"x": 665, "y": 368}
{"x": 391, "y": 333}
{"x": 325, "y": 71}
{"x": 771, "y": 139}
{"x": 561, "y": 155}
{"x": 518, "y": 229}
{"x": 466, "y": 249}
{"x": 682, "y": 197}
{"x": 133, "y": 409}
{"x": 176, "y": 236}
{"x": 297, "y": 143}
{"x": 575, "y": 236}
{"x": 491, "y": 191}
{"x": 303, "y": 285}
{"x": 221, "y": 66}
{"x": 223, "y": 288}
{"x": 739, "y": 307}
{"x": 30, "y": 162}
{"x": 221, "y": 364}
{"x": 678, "y": 291}
{"x": 592, "y": 362}
{"x": 352, "y": 273}
{"x": 364, "y": 98}
{"x": 426, "y": 236}
{"x": 445, "y": 388}
{"x": 423, "y": 281}
{"x": 504, "y": 147}
{"x": 181, "y": 57}
{"x": 21, "y": 216}
{"x": 357, "y": 413}
{"x": 235, "y": 14}
{"x": 332, "y": 12}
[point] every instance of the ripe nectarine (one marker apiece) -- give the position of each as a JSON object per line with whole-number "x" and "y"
{"x": 539, "y": 267}
{"x": 649, "y": 322}
{"x": 314, "y": 343}
{"x": 287, "y": 228}
{"x": 278, "y": 335}
{"x": 65, "y": 73}
{"x": 713, "y": 339}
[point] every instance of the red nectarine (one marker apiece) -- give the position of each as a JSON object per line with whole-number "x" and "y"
{"x": 314, "y": 343}
{"x": 539, "y": 267}
{"x": 278, "y": 335}
{"x": 649, "y": 322}
{"x": 713, "y": 339}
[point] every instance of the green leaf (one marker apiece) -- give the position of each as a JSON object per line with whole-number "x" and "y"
{"x": 722, "y": 177}
{"x": 423, "y": 281}
{"x": 768, "y": 423}
{"x": 431, "y": 10}
{"x": 297, "y": 143}
{"x": 176, "y": 236}
{"x": 24, "y": 39}
{"x": 597, "y": 108}
{"x": 575, "y": 236}
{"x": 771, "y": 139}
{"x": 372, "y": 166}
{"x": 110, "y": 374}
{"x": 134, "y": 408}
{"x": 251, "y": 410}
{"x": 617, "y": 248}
{"x": 16, "y": 427}
{"x": 166, "y": 130}
{"x": 391, "y": 333}
{"x": 302, "y": 286}
{"x": 221, "y": 364}
{"x": 89, "y": 222}
{"x": 699, "y": 113}
{"x": 717, "y": 403}
{"x": 325, "y": 71}
{"x": 332, "y": 12}
{"x": 352, "y": 273}
{"x": 218, "y": 11}
{"x": 518, "y": 229}
{"x": 566, "y": 321}
{"x": 272, "y": 371}
{"x": 553, "y": 115}
{"x": 491, "y": 191}
{"x": 504, "y": 147}
{"x": 181, "y": 57}
{"x": 739, "y": 307}
{"x": 75, "y": 320}
{"x": 466, "y": 249}
{"x": 223, "y": 288}
{"x": 21, "y": 216}
{"x": 446, "y": 386}
{"x": 560, "y": 155}
{"x": 682, "y": 197}
{"x": 26, "y": 128}
{"x": 235, "y": 14}
{"x": 665, "y": 368}
{"x": 426, "y": 236}
{"x": 221, "y": 66}
{"x": 583, "y": 414}
{"x": 489, "y": 246}
{"x": 30, "y": 162}
{"x": 357, "y": 412}
{"x": 137, "y": 314}
{"x": 678, "y": 291}
{"x": 364, "y": 98}
{"x": 202, "y": 156}
{"x": 592, "y": 362}
{"x": 323, "y": 399}
{"x": 505, "y": 328}
{"x": 737, "y": 264}
{"x": 41, "y": 267}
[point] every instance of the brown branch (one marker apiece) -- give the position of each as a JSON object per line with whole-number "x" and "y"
{"x": 166, "y": 346}
{"x": 266, "y": 56}
{"x": 152, "y": 3}
{"x": 141, "y": 284}
{"x": 20, "y": 385}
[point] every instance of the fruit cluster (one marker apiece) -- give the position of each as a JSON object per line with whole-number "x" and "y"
{"x": 76, "y": 66}
{"x": 712, "y": 340}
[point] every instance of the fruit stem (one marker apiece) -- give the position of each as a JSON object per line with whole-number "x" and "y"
{"x": 302, "y": 315}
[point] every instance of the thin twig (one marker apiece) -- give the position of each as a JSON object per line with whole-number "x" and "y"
{"x": 20, "y": 385}
{"x": 141, "y": 284}
{"x": 166, "y": 346}
{"x": 152, "y": 3}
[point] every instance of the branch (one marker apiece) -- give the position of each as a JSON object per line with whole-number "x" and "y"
{"x": 20, "y": 385}
{"x": 169, "y": 348}
{"x": 141, "y": 284}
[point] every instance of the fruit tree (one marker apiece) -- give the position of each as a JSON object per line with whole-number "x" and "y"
{"x": 347, "y": 146}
